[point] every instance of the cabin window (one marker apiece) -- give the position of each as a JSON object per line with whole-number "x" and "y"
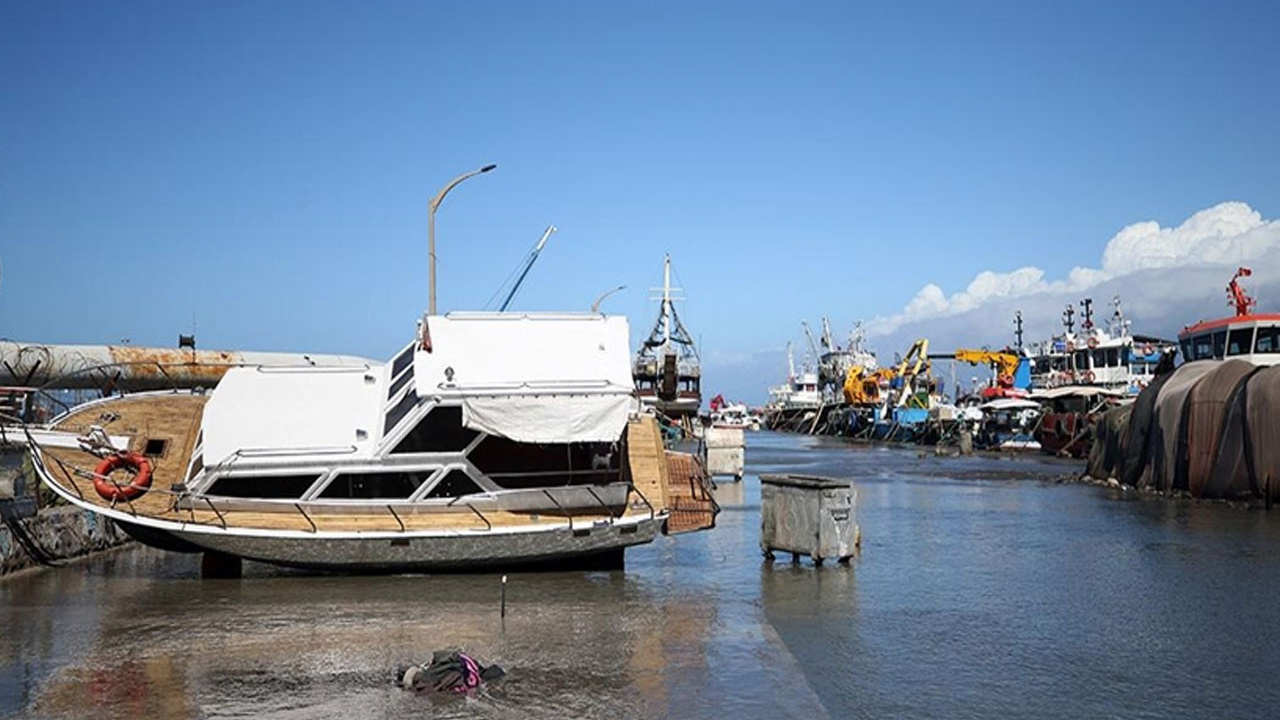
{"x": 440, "y": 430}
{"x": 1268, "y": 340}
{"x": 1203, "y": 347}
{"x": 1186, "y": 351}
{"x": 373, "y": 486}
{"x": 514, "y": 465}
{"x": 1082, "y": 360}
{"x": 1219, "y": 344}
{"x": 196, "y": 466}
{"x": 1239, "y": 341}
{"x": 399, "y": 382}
{"x": 454, "y": 484}
{"x": 270, "y": 487}
{"x": 1113, "y": 357}
{"x": 402, "y": 361}
{"x": 397, "y": 413}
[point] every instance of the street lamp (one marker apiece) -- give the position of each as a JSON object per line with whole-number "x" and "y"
{"x": 431, "y": 226}
{"x": 595, "y": 306}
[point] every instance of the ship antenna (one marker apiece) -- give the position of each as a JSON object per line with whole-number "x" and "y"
{"x": 1017, "y": 321}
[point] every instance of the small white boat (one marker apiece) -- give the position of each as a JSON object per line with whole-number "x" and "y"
{"x": 491, "y": 439}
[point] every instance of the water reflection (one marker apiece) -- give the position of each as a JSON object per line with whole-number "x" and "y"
{"x": 983, "y": 589}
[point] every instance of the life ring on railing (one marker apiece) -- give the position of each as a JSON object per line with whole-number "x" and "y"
{"x": 114, "y": 491}
{"x": 1147, "y": 350}
{"x": 1088, "y": 376}
{"x": 1093, "y": 343}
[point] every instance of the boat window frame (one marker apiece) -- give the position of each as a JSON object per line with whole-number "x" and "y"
{"x": 1272, "y": 334}
{"x": 1219, "y": 344}
{"x": 427, "y": 474}
{"x": 431, "y": 408}
{"x": 390, "y": 440}
{"x": 318, "y": 476}
{"x": 1247, "y": 347}
{"x": 1201, "y": 343}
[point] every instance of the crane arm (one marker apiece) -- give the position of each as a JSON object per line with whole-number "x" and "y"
{"x": 813, "y": 347}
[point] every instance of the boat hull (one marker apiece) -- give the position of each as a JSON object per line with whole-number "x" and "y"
{"x": 420, "y": 554}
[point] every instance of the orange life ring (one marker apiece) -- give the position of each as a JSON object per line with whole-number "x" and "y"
{"x": 114, "y": 491}
{"x": 1093, "y": 343}
{"x": 1088, "y": 376}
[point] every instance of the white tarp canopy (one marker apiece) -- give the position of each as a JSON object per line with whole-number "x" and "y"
{"x": 1009, "y": 404}
{"x": 1076, "y": 390}
{"x": 540, "y": 419}
{"x": 531, "y": 377}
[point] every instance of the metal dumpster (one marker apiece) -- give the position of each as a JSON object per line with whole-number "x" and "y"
{"x": 808, "y": 515}
{"x": 725, "y": 452}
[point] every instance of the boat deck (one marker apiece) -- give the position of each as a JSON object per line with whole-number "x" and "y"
{"x": 173, "y": 421}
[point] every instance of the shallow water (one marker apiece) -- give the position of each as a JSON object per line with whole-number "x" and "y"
{"x": 983, "y": 589}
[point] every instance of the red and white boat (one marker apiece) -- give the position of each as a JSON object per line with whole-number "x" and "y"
{"x": 1246, "y": 335}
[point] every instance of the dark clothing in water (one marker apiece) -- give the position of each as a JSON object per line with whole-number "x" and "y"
{"x": 448, "y": 671}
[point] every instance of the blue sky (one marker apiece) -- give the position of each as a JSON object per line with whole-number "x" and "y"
{"x": 264, "y": 168}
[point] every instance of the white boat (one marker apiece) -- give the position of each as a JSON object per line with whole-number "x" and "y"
{"x": 491, "y": 439}
{"x": 733, "y": 415}
{"x": 1112, "y": 358}
{"x": 799, "y": 393}
{"x": 1245, "y": 335}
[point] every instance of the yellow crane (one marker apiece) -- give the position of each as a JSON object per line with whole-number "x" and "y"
{"x": 1003, "y": 362}
{"x": 865, "y": 387}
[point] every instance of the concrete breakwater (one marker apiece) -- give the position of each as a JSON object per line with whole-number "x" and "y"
{"x": 55, "y": 534}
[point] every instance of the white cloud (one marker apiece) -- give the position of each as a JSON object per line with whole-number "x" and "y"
{"x": 1228, "y": 234}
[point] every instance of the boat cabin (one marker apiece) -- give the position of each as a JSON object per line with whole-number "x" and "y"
{"x": 1246, "y": 335}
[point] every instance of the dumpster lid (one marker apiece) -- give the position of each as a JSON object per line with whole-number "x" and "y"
{"x": 811, "y": 482}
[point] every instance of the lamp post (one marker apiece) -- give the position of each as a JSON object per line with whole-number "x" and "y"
{"x": 431, "y": 226}
{"x": 595, "y": 306}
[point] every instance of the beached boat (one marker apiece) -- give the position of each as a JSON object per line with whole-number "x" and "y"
{"x": 668, "y": 373}
{"x": 491, "y": 439}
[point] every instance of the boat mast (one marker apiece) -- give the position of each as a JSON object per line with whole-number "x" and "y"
{"x": 666, "y": 304}
{"x": 791, "y": 363}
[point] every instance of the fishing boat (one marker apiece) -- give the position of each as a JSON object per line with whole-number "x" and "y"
{"x": 491, "y": 439}
{"x": 1111, "y": 357}
{"x": 835, "y": 362}
{"x": 1246, "y": 335}
{"x": 668, "y": 373}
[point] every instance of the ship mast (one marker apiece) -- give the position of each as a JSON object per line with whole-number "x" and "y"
{"x": 666, "y": 304}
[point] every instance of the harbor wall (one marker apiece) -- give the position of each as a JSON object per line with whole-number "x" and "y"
{"x": 57, "y": 534}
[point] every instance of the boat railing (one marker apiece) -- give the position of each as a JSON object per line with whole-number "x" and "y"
{"x": 73, "y": 475}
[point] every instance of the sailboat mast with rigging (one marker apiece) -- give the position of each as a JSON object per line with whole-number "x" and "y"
{"x": 668, "y": 372}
